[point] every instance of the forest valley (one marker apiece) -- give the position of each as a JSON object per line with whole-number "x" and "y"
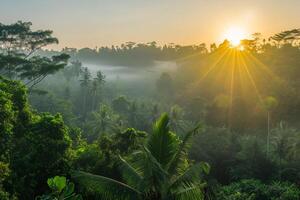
{"x": 223, "y": 125}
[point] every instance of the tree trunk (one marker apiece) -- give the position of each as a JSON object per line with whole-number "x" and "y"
{"x": 268, "y": 137}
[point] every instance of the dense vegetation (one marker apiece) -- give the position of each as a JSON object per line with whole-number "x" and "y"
{"x": 223, "y": 125}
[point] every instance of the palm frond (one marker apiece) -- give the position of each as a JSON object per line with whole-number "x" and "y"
{"x": 154, "y": 174}
{"x": 193, "y": 173}
{"x": 162, "y": 143}
{"x": 105, "y": 188}
{"x": 132, "y": 175}
{"x": 189, "y": 191}
{"x": 174, "y": 165}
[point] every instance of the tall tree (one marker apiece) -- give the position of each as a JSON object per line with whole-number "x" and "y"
{"x": 18, "y": 46}
{"x": 165, "y": 86}
{"x": 74, "y": 70}
{"x": 97, "y": 85}
{"x": 85, "y": 84}
{"x": 269, "y": 103}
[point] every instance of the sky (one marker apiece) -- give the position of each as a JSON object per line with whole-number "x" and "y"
{"x": 95, "y": 23}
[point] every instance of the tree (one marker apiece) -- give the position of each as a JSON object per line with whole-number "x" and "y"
{"x": 283, "y": 140}
{"x": 17, "y": 60}
{"x": 284, "y": 37}
{"x": 7, "y": 117}
{"x": 159, "y": 170}
{"x": 101, "y": 156}
{"x": 4, "y": 174}
{"x": 73, "y": 71}
{"x": 165, "y": 85}
{"x": 101, "y": 121}
{"x": 133, "y": 114}
{"x": 47, "y": 144}
{"x": 121, "y": 105}
{"x": 177, "y": 120}
{"x": 97, "y": 85}
{"x": 269, "y": 104}
{"x": 85, "y": 84}
{"x": 252, "y": 161}
{"x": 37, "y": 145}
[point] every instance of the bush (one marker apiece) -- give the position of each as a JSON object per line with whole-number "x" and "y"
{"x": 255, "y": 190}
{"x": 61, "y": 189}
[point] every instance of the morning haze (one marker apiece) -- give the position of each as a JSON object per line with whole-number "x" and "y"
{"x": 149, "y": 100}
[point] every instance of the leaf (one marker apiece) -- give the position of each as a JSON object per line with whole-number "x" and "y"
{"x": 104, "y": 187}
{"x": 131, "y": 174}
{"x": 51, "y": 183}
{"x": 162, "y": 143}
{"x": 189, "y": 191}
{"x": 59, "y": 182}
{"x": 69, "y": 190}
{"x": 191, "y": 174}
{"x": 181, "y": 152}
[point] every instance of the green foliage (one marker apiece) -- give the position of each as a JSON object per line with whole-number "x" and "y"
{"x": 100, "y": 187}
{"x": 121, "y": 105}
{"x": 14, "y": 113}
{"x": 88, "y": 157}
{"x": 165, "y": 86}
{"x": 4, "y": 174}
{"x": 21, "y": 36}
{"x": 123, "y": 163}
{"x": 255, "y": 190}
{"x": 7, "y": 117}
{"x": 100, "y": 121}
{"x": 48, "y": 102}
{"x": 218, "y": 147}
{"x": 148, "y": 174}
{"x": 74, "y": 70}
{"x": 101, "y": 157}
{"x": 270, "y": 103}
{"x": 162, "y": 143}
{"x": 19, "y": 43}
{"x": 47, "y": 143}
{"x": 61, "y": 189}
{"x": 57, "y": 183}
{"x": 44, "y": 136}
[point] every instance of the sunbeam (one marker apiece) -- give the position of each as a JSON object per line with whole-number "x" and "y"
{"x": 251, "y": 79}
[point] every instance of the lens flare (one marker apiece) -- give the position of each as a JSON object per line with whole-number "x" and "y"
{"x": 234, "y": 35}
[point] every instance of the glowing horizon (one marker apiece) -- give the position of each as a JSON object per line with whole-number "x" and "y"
{"x": 95, "y": 23}
{"x": 235, "y": 34}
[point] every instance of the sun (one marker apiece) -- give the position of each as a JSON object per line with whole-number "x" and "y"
{"x": 234, "y": 35}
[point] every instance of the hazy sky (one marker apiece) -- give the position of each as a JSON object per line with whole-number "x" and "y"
{"x": 91, "y": 23}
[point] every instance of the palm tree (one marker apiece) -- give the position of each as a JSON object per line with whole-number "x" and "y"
{"x": 85, "y": 83}
{"x": 101, "y": 121}
{"x": 178, "y": 123}
{"x": 283, "y": 142}
{"x": 97, "y": 84}
{"x": 269, "y": 104}
{"x": 159, "y": 171}
{"x": 133, "y": 114}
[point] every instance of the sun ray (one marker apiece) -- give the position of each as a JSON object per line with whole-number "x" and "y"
{"x": 215, "y": 64}
{"x": 224, "y": 65}
{"x": 241, "y": 76}
{"x": 262, "y": 66}
{"x": 234, "y": 35}
{"x": 251, "y": 79}
{"x": 232, "y": 82}
{"x": 225, "y": 55}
